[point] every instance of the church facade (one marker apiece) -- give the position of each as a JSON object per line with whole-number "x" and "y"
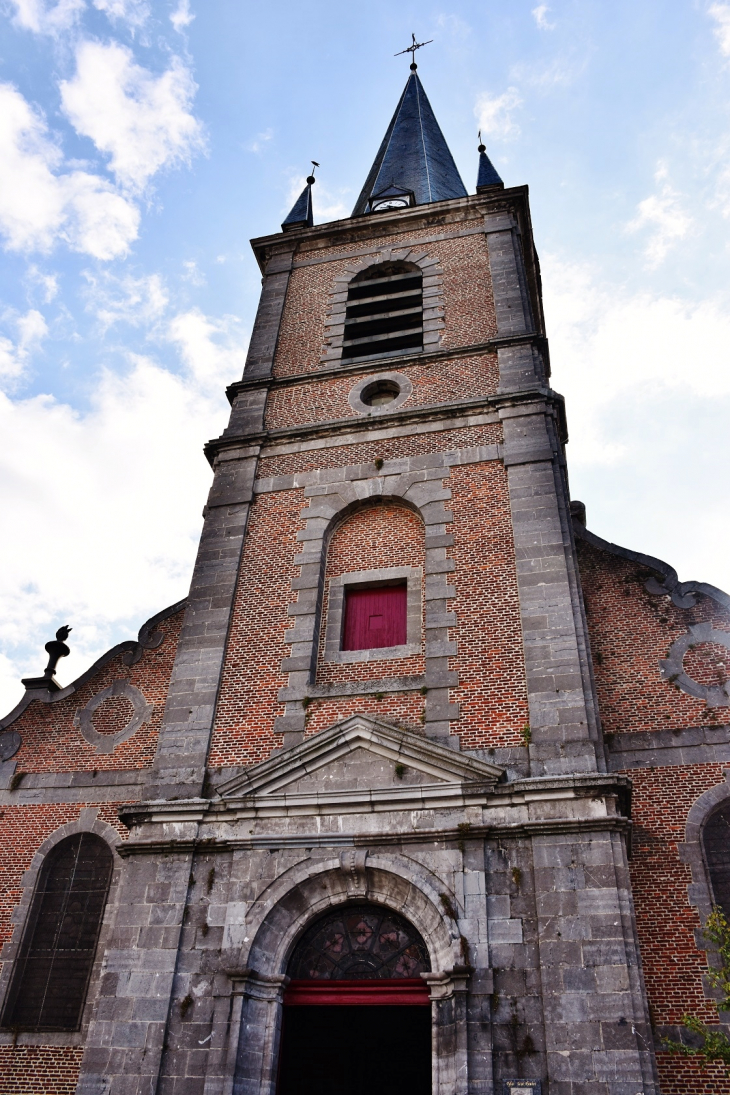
{"x": 422, "y": 787}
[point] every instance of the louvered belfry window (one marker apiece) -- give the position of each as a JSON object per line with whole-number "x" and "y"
{"x": 384, "y": 311}
{"x": 51, "y": 974}
{"x": 716, "y": 844}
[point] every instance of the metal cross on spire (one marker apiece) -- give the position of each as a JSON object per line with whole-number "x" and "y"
{"x": 412, "y": 49}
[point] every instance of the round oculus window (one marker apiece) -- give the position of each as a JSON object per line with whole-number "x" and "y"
{"x": 380, "y": 393}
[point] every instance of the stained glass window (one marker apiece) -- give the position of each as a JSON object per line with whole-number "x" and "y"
{"x": 359, "y": 941}
{"x": 52, "y": 970}
{"x": 716, "y": 841}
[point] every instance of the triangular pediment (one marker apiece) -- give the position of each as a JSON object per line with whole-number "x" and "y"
{"x": 359, "y": 760}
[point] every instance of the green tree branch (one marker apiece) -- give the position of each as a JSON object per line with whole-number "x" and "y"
{"x": 715, "y": 1044}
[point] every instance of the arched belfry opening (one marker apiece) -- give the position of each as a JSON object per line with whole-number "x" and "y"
{"x": 357, "y": 1014}
{"x": 384, "y": 313}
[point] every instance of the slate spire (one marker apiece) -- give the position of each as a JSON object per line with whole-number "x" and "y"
{"x": 414, "y": 158}
{"x": 301, "y": 213}
{"x": 487, "y": 174}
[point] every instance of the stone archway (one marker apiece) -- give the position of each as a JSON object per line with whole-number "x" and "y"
{"x": 356, "y": 1012}
{"x": 389, "y": 882}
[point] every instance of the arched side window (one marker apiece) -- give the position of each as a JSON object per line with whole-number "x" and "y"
{"x": 51, "y": 973}
{"x": 716, "y": 844}
{"x": 384, "y": 313}
{"x": 359, "y": 941}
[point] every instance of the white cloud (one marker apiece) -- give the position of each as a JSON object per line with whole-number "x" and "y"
{"x": 494, "y": 114}
{"x": 101, "y": 543}
{"x": 14, "y": 355}
{"x": 38, "y": 16}
{"x": 134, "y": 12}
{"x": 260, "y": 141}
{"x": 47, "y": 283}
{"x": 125, "y": 299}
{"x": 39, "y": 203}
{"x": 182, "y": 16}
{"x": 212, "y": 349}
{"x": 558, "y": 72}
{"x": 140, "y": 120}
{"x": 721, "y": 14}
{"x": 539, "y": 14}
{"x": 647, "y": 389}
{"x": 454, "y": 25}
{"x": 192, "y": 273}
{"x": 663, "y": 215}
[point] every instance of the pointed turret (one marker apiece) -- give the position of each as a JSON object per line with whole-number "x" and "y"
{"x": 301, "y": 214}
{"x": 413, "y": 165}
{"x": 487, "y": 175}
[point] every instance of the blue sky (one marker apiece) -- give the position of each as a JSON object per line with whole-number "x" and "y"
{"x": 143, "y": 142}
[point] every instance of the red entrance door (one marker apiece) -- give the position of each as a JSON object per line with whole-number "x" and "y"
{"x": 355, "y": 1049}
{"x": 357, "y": 1016}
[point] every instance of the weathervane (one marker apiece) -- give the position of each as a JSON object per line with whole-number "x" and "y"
{"x": 412, "y": 50}
{"x": 310, "y": 178}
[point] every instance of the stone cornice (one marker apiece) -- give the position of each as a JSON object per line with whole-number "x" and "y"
{"x": 682, "y": 593}
{"x": 352, "y": 230}
{"x": 452, "y": 835}
{"x": 429, "y": 412}
{"x": 193, "y": 818}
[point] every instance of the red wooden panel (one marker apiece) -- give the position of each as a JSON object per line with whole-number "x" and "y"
{"x": 374, "y": 618}
{"x": 393, "y": 990}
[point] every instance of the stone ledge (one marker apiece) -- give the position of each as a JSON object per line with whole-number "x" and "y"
{"x": 372, "y": 840}
{"x": 664, "y": 748}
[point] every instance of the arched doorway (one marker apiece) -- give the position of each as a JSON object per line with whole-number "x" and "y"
{"x": 357, "y": 1017}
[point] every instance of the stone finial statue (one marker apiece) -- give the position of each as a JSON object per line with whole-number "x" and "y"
{"x": 56, "y": 650}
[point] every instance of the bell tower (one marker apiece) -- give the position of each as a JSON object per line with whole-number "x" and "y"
{"x": 383, "y": 695}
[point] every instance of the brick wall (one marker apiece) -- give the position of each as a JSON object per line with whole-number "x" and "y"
{"x": 51, "y": 742}
{"x": 441, "y": 382}
{"x": 492, "y": 691}
{"x": 467, "y": 289}
{"x": 682, "y": 1076}
{"x": 39, "y": 1070}
{"x": 666, "y": 922}
{"x": 252, "y": 676}
{"x": 630, "y": 631}
{"x": 385, "y": 449}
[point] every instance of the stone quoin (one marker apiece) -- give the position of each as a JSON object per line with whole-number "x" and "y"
{"x": 471, "y": 849}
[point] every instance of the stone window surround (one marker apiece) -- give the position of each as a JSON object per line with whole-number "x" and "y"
{"x": 433, "y": 302}
{"x": 355, "y": 396}
{"x": 87, "y": 822}
{"x": 672, "y": 667}
{"x": 336, "y": 614}
{"x": 106, "y": 743}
